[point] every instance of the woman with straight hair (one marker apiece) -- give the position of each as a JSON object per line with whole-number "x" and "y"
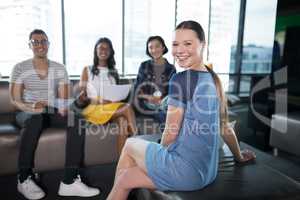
{"x": 187, "y": 157}
{"x": 93, "y": 79}
{"x": 152, "y": 83}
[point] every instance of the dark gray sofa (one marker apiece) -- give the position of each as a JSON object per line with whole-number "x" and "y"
{"x": 100, "y": 143}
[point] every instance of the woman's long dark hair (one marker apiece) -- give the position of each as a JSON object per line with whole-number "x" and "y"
{"x": 197, "y": 28}
{"x": 111, "y": 63}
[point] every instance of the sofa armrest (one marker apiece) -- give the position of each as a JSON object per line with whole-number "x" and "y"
{"x": 285, "y": 133}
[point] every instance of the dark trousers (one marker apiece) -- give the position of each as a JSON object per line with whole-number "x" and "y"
{"x": 157, "y": 114}
{"x": 31, "y": 127}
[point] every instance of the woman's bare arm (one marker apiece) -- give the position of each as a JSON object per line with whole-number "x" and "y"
{"x": 83, "y": 79}
{"x": 230, "y": 139}
{"x": 173, "y": 125}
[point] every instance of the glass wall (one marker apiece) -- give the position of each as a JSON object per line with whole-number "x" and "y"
{"x": 129, "y": 23}
{"x": 143, "y": 19}
{"x": 259, "y": 28}
{"x": 85, "y": 23}
{"x": 223, "y": 31}
{"x": 17, "y": 19}
{"x": 197, "y": 10}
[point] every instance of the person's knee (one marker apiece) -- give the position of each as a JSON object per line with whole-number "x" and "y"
{"x": 24, "y": 119}
{"x": 36, "y": 119}
{"x": 127, "y": 105}
{"x": 128, "y": 109}
{"x": 128, "y": 147}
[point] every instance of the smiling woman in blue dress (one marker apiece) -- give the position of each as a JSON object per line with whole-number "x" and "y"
{"x": 187, "y": 158}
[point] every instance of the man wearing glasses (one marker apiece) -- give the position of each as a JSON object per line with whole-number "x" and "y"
{"x": 35, "y": 84}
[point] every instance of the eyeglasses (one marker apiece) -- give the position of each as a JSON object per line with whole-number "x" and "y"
{"x": 36, "y": 43}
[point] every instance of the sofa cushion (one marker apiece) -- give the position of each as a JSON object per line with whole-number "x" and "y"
{"x": 100, "y": 147}
{"x": 101, "y": 144}
{"x": 6, "y": 106}
{"x": 9, "y": 144}
{"x": 7, "y": 130}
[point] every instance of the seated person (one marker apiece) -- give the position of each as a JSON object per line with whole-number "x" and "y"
{"x": 187, "y": 157}
{"x": 35, "y": 85}
{"x": 93, "y": 80}
{"x": 151, "y": 86}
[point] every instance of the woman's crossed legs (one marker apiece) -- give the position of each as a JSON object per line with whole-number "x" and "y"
{"x": 131, "y": 171}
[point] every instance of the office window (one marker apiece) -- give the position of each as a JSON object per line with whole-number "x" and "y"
{"x": 197, "y": 10}
{"x": 143, "y": 19}
{"x": 85, "y": 23}
{"x": 223, "y": 31}
{"x": 245, "y": 85}
{"x": 259, "y": 27}
{"x": 232, "y": 83}
{"x": 223, "y": 34}
{"x": 258, "y": 36}
{"x": 17, "y": 20}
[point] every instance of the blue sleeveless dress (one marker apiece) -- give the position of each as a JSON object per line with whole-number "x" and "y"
{"x": 191, "y": 162}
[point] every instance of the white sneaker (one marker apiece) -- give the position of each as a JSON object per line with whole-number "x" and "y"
{"x": 30, "y": 189}
{"x": 78, "y": 188}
